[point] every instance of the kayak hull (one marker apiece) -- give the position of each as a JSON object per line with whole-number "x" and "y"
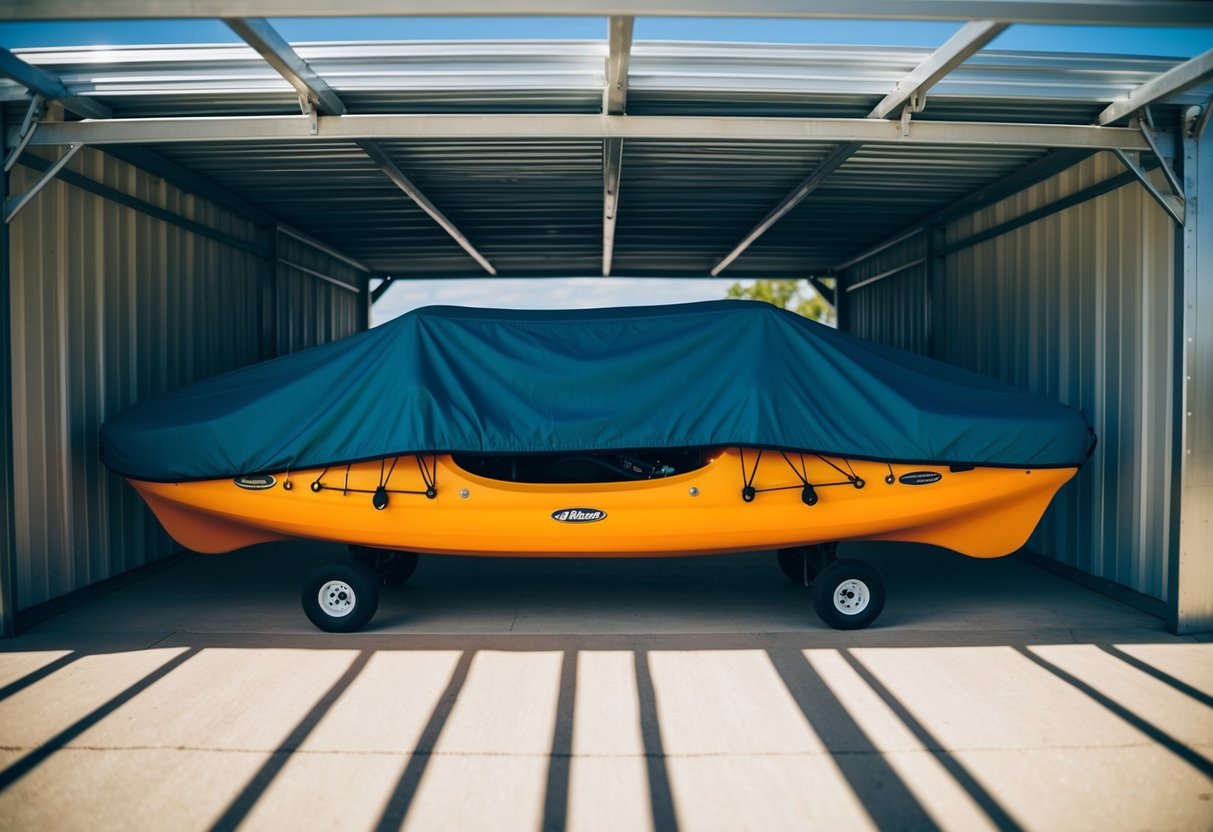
{"x": 741, "y": 500}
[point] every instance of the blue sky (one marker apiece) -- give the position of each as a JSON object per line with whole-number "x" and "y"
{"x": 1165, "y": 42}
{"x": 1162, "y": 42}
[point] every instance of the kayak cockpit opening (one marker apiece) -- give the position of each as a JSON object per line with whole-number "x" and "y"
{"x": 586, "y": 466}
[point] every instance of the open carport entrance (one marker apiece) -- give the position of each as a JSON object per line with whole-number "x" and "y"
{"x": 1032, "y": 216}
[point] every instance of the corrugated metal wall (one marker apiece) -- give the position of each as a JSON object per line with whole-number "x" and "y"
{"x": 109, "y": 306}
{"x": 886, "y": 296}
{"x": 1076, "y": 306}
{"x": 318, "y": 297}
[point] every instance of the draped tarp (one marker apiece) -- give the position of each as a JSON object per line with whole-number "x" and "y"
{"x": 445, "y": 379}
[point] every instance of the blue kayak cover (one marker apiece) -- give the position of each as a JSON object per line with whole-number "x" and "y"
{"x": 491, "y": 381}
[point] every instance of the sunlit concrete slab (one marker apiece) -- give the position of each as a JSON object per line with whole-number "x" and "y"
{"x": 739, "y": 693}
{"x": 689, "y": 694}
{"x": 1188, "y": 663}
{"x": 351, "y": 762}
{"x": 400, "y": 689}
{"x": 608, "y": 778}
{"x": 608, "y": 793}
{"x": 56, "y": 703}
{"x": 490, "y": 760}
{"x": 764, "y": 792}
{"x": 326, "y": 790}
{"x": 249, "y": 700}
{"x": 878, "y": 748}
{"x": 1067, "y": 741}
{"x": 19, "y": 666}
{"x": 95, "y": 790}
{"x": 1128, "y": 691}
{"x": 1137, "y": 787}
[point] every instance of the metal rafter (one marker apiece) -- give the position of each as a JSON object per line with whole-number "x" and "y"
{"x": 394, "y": 173}
{"x": 614, "y": 101}
{"x": 14, "y": 204}
{"x": 820, "y": 173}
{"x": 384, "y": 284}
{"x": 826, "y": 292}
{"x": 1172, "y": 203}
{"x": 40, "y": 82}
{"x": 620, "y": 54}
{"x": 958, "y": 48}
{"x": 541, "y": 126}
{"x": 1077, "y": 12}
{"x": 29, "y": 124}
{"x": 1174, "y": 81}
{"x": 971, "y": 39}
{"x": 612, "y": 170}
{"x": 279, "y": 54}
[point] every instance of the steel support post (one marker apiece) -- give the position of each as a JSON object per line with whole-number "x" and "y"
{"x": 1190, "y": 585}
{"x": 8, "y": 531}
{"x": 364, "y": 299}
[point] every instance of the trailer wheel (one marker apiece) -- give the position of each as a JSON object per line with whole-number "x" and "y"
{"x": 802, "y": 564}
{"x": 392, "y": 568}
{"x": 848, "y": 594}
{"x": 340, "y": 597}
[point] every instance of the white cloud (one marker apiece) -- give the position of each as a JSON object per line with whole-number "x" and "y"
{"x": 545, "y": 293}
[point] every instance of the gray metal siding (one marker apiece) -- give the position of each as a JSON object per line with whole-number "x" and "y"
{"x": 892, "y": 309}
{"x": 1076, "y": 306}
{"x": 109, "y": 306}
{"x": 311, "y": 310}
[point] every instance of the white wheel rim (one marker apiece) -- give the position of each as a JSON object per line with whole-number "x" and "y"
{"x": 337, "y": 599}
{"x": 851, "y": 597}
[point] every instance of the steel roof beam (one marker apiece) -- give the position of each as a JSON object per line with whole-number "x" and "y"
{"x": 620, "y": 54}
{"x": 384, "y": 285}
{"x": 612, "y": 171}
{"x": 958, "y": 48}
{"x": 614, "y": 100}
{"x": 820, "y": 174}
{"x": 1076, "y": 12}
{"x": 39, "y": 81}
{"x": 527, "y": 126}
{"x": 971, "y": 39}
{"x": 1173, "y": 204}
{"x": 14, "y": 204}
{"x": 279, "y": 54}
{"x": 401, "y": 181}
{"x": 1174, "y": 81}
{"x": 826, "y": 292}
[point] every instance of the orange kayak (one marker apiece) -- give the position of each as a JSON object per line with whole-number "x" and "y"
{"x": 738, "y": 500}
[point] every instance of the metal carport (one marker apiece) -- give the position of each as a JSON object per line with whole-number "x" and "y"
{"x": 242, "y": 201}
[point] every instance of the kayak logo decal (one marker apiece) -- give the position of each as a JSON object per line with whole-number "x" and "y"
{"x": 257, "y": 483}
{"x": 579, "y": 515}
{"x": 920, "y": 478}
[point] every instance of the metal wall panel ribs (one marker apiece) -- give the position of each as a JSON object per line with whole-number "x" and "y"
{"x": 110, "y": 306}
{"x": 1075, "y": 306}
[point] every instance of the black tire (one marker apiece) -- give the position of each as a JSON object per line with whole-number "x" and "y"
{"x": 803, "y": 564}
{"x": 392, "y": 568}
{"x": 842, "y": 585}
{"x": 343, "y": 584}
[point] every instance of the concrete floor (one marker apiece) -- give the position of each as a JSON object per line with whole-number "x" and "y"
{"x": 699, "y": 693}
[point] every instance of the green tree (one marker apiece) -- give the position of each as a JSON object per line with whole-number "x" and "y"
{"x": 797, "y": 295}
